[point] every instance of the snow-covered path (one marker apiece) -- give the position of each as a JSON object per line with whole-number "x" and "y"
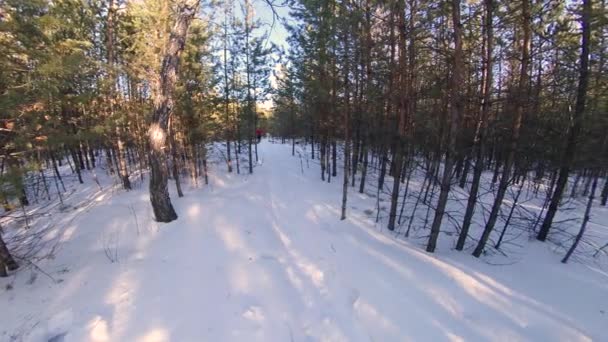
{"x": 266, "y": 258}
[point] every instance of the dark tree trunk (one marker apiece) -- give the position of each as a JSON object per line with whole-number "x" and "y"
{"x": 508, "y": 221}
{"x": 479, "y": 139}
{"x": 456, "y": 106}
{"x": 91, "y": 155}
{"x": 397, "y": 163}
{"x": 403, "y": 105}
{"x": 122, "y": 163}
{"x": 574, "y": 131}
{"x": 586, "y": 218}
{"x": 364, "y": 168}
{"x": 334, "y": 157}
{"x": 465, "y": 172}
{"x": 86, "y": 156}
{"x": 521, "y": 103}
{"x": 163, "y": 105}
{"x": 120, "y": 155}
{"x": 347, "y": 142}
{"x": 383, "y": 162}
{"x": 6, "y": 259}
{"x": 109, "y": 160}
{"x": 56, "y": 169}
{"x": 174, "y": 158}
{"x": 605, "y": 192}
{"x": 75, "y": 158}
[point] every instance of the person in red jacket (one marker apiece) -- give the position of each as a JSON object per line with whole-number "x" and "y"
{"x": 259, "y": 133}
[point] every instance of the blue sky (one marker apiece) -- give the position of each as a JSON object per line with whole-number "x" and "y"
{"x": 263, "y": 12}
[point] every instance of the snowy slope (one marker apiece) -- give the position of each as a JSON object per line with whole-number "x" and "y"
{"x": 265, "y": 258}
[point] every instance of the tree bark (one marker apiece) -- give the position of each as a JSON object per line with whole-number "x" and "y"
{"x": 347, "y": 155}
{"x": 479, "y": 140}
{"x": 6, "y": 259}
{"x": 122, "y": 164}
{"x": 163, "y": 105}
{"x": 403, "y": 106}
{"x": 579, "y": 109}
{"x": 455, "y": 114}
{"x": 174, "y": 158}
{"x": 521, "y": 102}
{"x": 605, "y": 192}
{"x": 586, "y": 218}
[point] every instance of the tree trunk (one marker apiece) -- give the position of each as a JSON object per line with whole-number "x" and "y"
{"x": 122, "y": 164}
{"x": 364, "y": 168}
{"x": 579, "y": 110}
{"x": 605, "y": 192}
{"x": 174, "y": 158}
{"x": 347, "y": 155}
{"x": 455, "y": 114}
{"x": 479, "y": 140}
{"x": 403, "y": 106}
{"x": 334, "y": 157}
{"x": 504, "y": 229}
{"x": 521, "y": 102}
{"x": 163, "y": 105}
{"x": 56, "y": 169}
{"x": 75, "y": 158}
{"x": 6, "y": 259}
{"x": 586, "y": 218}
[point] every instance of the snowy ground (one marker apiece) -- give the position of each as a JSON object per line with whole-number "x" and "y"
{"x": 265, "y": 258}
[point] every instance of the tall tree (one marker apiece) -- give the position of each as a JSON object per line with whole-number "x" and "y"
{"x": 163, "y": 105}
{"x": 452, "y": 132}
{"x": 521, "y": 101}
{"x": 481, "y": 125}
{"x": 576, "y": 123}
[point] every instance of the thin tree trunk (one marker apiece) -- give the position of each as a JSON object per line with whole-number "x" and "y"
{"x": 455, "y": 115}
{"x": 86, "y": 156}
{"x": 403, "y": 107}
{"x": 56, "y": 169}
{"x": 175, "y": 159}
{"x": 521, "y": 103}
{"x": 586, "y": 218}
{"x": 508, "y": 221}
{"x": 479, "y": 140}
{"x": 122, "y": 164}
{"x": 238, "y": 163}
{"x": 79, "y": 158}
{"x": 91, "y": 155}
{"x": 75, "y": 158}
{"x": 227, "y": 92}
{"x": 605, "y": 192}
{"x": 109, "y": 162}
{"x": 364, "y": 168}
{"x": 347, "y": 155}
{"x": 205, "y": 170}
{"x": 407, "y": 186}
{"x": 574, "y": 131}
{"x": 334, "y": 157}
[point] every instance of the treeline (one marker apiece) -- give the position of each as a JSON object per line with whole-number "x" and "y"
{"x": 460, "y": 90}
{"x": 133, "y": 86}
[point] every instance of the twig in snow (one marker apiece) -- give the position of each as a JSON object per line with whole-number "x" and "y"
{"x": 135, "y": 217}
{"x": 32, "y": 264}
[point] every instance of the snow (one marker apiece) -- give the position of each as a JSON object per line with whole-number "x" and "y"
{"x": 264, "y": 257}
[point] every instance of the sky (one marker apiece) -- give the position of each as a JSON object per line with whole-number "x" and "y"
{"x": 278, "y": 33}
{"x": 263, "y": 11}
